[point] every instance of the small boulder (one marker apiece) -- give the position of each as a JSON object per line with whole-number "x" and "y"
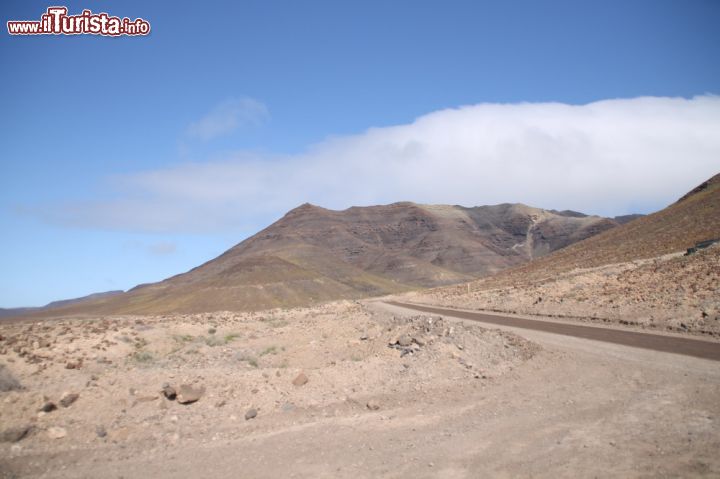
{"x": 373, "y": 405}
{"x": 68, "y": 398}
{"x": 251, "y": 414}
{"x": 169, "y": 392}
{"x": 300, "y": 380}
{"x": 188, "y": 394}
{"x": 404, "y": 341}
{"x": 56, "y": 432}
{"x": 73, "y": 365}
{"x": 15, "y": 434}
{"x": 100, "y": 431}
{"x": 48, "y": 406}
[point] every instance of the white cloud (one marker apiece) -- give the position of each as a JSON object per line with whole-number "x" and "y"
{"x": 159, "y": 248}
{"x": 228, "y": 117}
{"x": 608, "y": 157}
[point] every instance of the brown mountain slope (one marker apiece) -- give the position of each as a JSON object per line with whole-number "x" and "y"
{"x": 314, "y": 254}
{"x": 693, "y": 218}
{"x": 633, "y": 274}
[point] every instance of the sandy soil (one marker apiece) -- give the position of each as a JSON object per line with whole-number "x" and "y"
{"x": 671, "y": 292}
{"x": 467, "y": 401}
{"x": 298, "y": 365}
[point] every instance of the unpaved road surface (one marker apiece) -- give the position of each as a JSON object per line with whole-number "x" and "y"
{"x": 576, "y": 408}
{"x": 657, "y": 342}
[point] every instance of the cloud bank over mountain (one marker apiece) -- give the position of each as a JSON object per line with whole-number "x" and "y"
{"x": 609, "y": 157}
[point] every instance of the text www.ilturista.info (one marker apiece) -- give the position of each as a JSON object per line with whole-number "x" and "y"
{"x": 56, "y": 21}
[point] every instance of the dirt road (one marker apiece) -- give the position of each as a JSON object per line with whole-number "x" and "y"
{"x": 656, "y": 342}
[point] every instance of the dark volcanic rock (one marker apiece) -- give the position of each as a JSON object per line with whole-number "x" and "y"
{"x": 15, "y": 434}
{"x": 68, "y": 399}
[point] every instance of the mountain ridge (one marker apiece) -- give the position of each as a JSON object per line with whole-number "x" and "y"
{"x": 314, "y": 254}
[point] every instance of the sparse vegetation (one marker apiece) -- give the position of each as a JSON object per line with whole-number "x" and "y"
{"x": 251, "y": 360}
{"x": 277, "y": 322}
{"x": 231, "y": 337}
{"x": 143, "y": 357}
{"x": 269, "y": 350}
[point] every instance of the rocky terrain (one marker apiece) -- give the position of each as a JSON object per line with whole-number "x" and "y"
{"x": 153, "y": 382}
{"x": 313, "y": 254}
{"x": 343, "y": 390}
{"x": 671, "y": 292}
{"x": 636, "y": 274}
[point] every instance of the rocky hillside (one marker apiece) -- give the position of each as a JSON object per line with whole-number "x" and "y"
{"x": 314, "y": 254}
{"x": 634, "y": 274}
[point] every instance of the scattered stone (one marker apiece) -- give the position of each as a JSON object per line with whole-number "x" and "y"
{"x": 15, "y": 434}
{"x": 404, "y": 341}
{"x": 48, "y": 406}
{"x": 169, "y": 392}
{"x": 100, "y": 431}
{"x": 251, "y": 414}
{"x": 56, "y": 432}
{"x": 188, "y": 394}
{"x": 373, "y": 405}
{"x": 68, "y": 398}
{"x": 364, "y": 337}
{"x": 300, "y": 380}
{"x": 72, "y": 365}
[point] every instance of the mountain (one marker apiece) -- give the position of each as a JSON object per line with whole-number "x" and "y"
{"x": 693, "y": 218}
{"x": 67, "y": 302}
{"x": 9, "y": 312}
{"x": 635, "y": 274}
{"x": 314, "y": 254}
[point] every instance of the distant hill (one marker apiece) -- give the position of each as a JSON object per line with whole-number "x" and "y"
{"x": 9, "y": 312}
{"x": 693, "y": 218}
{"x": 314, "y": 254}
{"x": 67, "y": 302}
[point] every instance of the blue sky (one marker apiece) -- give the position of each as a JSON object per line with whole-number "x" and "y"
{"x": 127, "y": 160}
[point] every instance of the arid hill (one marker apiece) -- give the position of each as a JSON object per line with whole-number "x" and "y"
{"x": 693, "y": 218}
{"x": 314, "y": 254}
{"x": 634, "y": 274}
